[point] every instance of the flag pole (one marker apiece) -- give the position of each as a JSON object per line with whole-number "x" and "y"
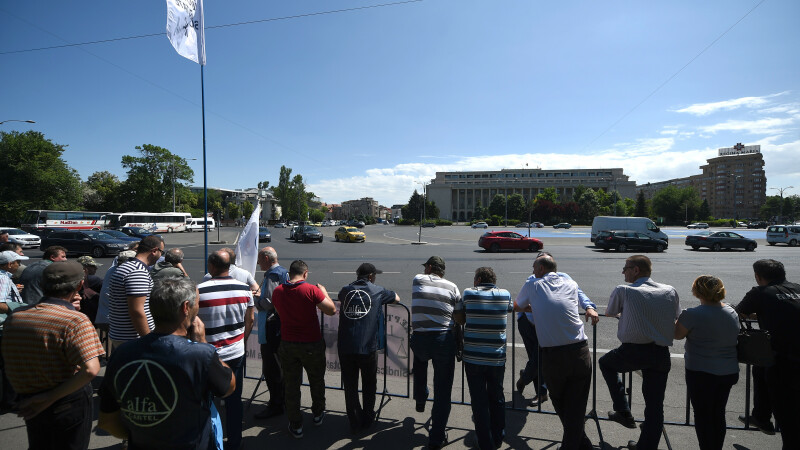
{"x": 205, "y": 185}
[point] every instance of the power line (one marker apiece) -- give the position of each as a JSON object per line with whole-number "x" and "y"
{"x": 250, "y": 22}
{"x": 674, "y": 75}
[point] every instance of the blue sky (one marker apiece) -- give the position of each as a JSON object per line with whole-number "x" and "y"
{"x": 373, "y": 101}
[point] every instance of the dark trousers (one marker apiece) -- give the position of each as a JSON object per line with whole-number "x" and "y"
{"x": 271, "y": 366}
{"x": 762, "y": 407}
{"x": 653, "y": 360}
{"x": 296, "y": 356}
{"x": 567, "y": 370}
{"x": 66, "y": 424}
{"x": 488, "y": 403}
{"x": 784, "y": 393}
{"x": 367, "y": 365}
{"x": 441, "y": 349}
{"x": 531, "y": 372}
{"x": 234, "y": 412}
{"x": 709, "y": 395}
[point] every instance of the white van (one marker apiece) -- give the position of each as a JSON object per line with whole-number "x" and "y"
{"x": 638, "y": 224}
{"x": 197, "y": 224}
{"x": 783, "y": 234}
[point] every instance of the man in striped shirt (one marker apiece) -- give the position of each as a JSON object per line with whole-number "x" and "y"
{"x": 226, "y": 309}
{"x": 433, "y": 300}
{"x": 484, "y": 313}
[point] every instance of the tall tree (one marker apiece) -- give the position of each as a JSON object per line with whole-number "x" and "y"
{"x": 413, "y": 210}
{"x": 291, "y": 195}
{"x": 151, "y": 177}
{"x": 516, "y": 207}
{"x": 498, "y": 205}
{"x": 675, "y": 204}
{"x": 588, "y": 205}
{"x": 548, "y": 194}
{"x": 106, "y": 189}
{"x": 641, "y": 205}
{"x": 480, "y": 211}
{"x": 33, "y": 175}
{"x": 705, "y": 211}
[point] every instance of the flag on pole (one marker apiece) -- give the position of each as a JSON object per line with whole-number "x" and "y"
{"x": 247, "y": 245}
{"x": 185, "y": 29}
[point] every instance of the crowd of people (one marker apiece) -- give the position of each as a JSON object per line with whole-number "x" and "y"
{"x": 178, "y": 348}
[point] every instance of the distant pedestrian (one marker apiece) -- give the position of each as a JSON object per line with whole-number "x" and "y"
{"x": 433, "y": 300}
{"x": 302, "y": 345}
{"x": 647, "y": 313}
{"x": 484, "y": 312}
{"x": 360, "y": 319}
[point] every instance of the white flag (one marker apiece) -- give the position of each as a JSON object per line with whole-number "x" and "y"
{"x": 247, "y": 245}
{"x": 185, "y": 29}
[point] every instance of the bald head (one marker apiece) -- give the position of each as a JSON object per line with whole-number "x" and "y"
{"x": 219, "y": 263}
{"x": 544, "y": 265}
{"x": 267, "y": 257}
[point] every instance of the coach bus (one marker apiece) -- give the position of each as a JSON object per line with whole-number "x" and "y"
{"x": 168, "y": 222}
{"x": 38, "y": 219}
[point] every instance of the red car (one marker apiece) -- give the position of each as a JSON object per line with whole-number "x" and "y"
{"x": 494, "y": 241}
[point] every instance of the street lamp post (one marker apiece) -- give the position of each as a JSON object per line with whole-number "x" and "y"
{"x": 781, "y": 189}
{"x": 173, "y": 180}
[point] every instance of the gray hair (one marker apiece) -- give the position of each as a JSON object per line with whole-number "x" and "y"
{"x": 269, "y": 254}
{"x": 173, "y": 256}
{"x": 168, "y": 296}
{"x": 58, "y": 290}
{"x": 546, "y": 262}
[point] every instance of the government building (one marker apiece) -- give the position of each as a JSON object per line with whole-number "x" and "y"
{"x": 733, "y": 183}
{"x": 457, "y": 193}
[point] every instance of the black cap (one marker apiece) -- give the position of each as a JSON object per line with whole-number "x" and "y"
{"x": 367, "y": 269}
{"x": 63, "y": 272}
{"x": 436, "y": 261}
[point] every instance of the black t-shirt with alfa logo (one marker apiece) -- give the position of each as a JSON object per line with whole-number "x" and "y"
{"x": 360, "y": 314}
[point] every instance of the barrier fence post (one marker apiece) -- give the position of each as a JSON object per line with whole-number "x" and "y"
{"x": 593, "y": 412}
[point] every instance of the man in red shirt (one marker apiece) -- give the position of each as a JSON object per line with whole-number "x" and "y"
{"x": 302, "y": 347}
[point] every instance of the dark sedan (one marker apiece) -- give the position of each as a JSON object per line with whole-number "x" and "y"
{"x": 307, "y": 233}
{"x": 95, "y": 243}
{"x": 721, "y": 240}
{"x": 624, "y": 240}
{"x": 563, "y": 225}
{"x": 122, "y": 236}
{"x": 494, "y": 241}
{"x": 138, "y": 232}
{"x": 264, "y": 234}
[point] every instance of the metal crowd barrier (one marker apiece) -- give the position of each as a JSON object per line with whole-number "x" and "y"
{"x": 627, "y": 379}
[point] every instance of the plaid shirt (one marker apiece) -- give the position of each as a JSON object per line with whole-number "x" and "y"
{"x": 8, "y": 290}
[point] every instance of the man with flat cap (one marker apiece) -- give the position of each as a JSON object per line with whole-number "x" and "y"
{"x": 433, "y": 300}
{"x": 360, "y": 318}
{"x": 51, "y": 352}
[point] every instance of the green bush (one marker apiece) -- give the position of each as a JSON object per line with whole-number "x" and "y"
{"x": 444, "y": 222}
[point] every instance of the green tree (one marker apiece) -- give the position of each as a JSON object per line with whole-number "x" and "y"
{"x": 498, "y": 205}
{"x": 247, "y": 210}
{"x": 704, "y": 213}
{"x": 641, "y": 205}
{"x": 771, "y": 208}
{"x": 234, "y": 211}
{"x": 431, "y": 210}
{"x": 150, "y": 178}
{"x": 577, "y": 193}
{"x": 316, "y": 215}
{"x": 516, "y": 207}
{"x": 33, "y": 175}
{"x": 105, "y": 187}
{"x": 480, "y": 212}
{"x": 676, "y": 205}
{"x": 292, "y": 195}
{"x": 588, "y": 205}
{"x": 548, "y": 194}
{"x": 630, "y": 206}
{"x": 413, "y": 210}
{"x": 263, "y": 185}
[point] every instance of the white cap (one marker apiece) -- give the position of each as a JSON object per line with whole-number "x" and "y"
{"x": 8, "y": 256}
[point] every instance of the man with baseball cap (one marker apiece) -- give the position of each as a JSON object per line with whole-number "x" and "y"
{"x": 43, "y": 345}
{"x": 360, "y": 319}
{"x": 9, "y": 263}
{"x": 433, "y": 300}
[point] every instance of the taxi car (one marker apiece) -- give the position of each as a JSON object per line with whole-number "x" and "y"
{"x": 350, "y": 234}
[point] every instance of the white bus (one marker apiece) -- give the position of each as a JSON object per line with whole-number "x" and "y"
{"x": 155, "y": 222}
{"x": 38, "y": 219}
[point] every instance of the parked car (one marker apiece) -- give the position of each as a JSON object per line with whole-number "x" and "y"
{"x": 199, "y": 224}
{"x": 697, "y": 225}
{"x": 95, "y": 243}
{"x": 307, "y": 233}
{"x": 24, "y": 239}
{"x": 264, "y": 234}
{"x": 563, "y": 225}
{"x": 637, "y": 224}
{"x": 537, "y": 225}
{"x": 494, "y": 241}
{"x": 480, "y": 225}
{"x": 522, "y": 225}
{"x": 758, "y": 224}
{"x": 624, "y": 240}
{"x": 355, "y": 223}
{"x": 429, "y": 225}
{"x": 42, "y": 232}
{"x": 719, "y": 240}
{"x": 279, "y": 225}
{"x": 349, "y": 234}
{"x": 122, "y": 236}
{"x": 783, "y": 234}
{"x": 138, "y": 232}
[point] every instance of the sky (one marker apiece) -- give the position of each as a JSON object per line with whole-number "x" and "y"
{"x": 372, "y": 98}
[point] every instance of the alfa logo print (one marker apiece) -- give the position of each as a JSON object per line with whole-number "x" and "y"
{"x": 146, "y": 391}
{"x": 357, "y": 304}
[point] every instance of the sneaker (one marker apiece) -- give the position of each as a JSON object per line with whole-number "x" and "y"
{"x": 520, "y": 384}
{"x": 623, "y": 418}
{"x": 538, "y": 400}
{"x": 633, "y": 445}
{"x": 318, "y": 419}
{"x": 297, "y": 433}
{"x": 765, "y": 427}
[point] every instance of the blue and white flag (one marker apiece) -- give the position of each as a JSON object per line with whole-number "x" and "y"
{"x": 185, "y": 29}
{"x": 247, "y": 245}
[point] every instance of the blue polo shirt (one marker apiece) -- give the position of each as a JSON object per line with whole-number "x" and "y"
{"x": 360, "y": 316}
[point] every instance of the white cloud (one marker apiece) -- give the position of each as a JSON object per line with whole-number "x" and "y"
{"x": 704, "y": 109}
{"x": 762, "y": 126}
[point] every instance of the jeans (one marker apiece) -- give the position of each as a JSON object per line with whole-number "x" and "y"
{"x": 567, "y": 369}
{"x": 367, "y": 365}
{"x": 653, "y": 360}
{"x": 441, "y": 349}
{"x": 296, "y": 356}
{"x": 234, "y": 411}
{"x": 762, "y": 407}
{"x": 709, "y": 395}
{"x": 66, "y": 424}
{"x": 784, "y": 393}
{"x": 531, "y": 372}
{"x": 270, "y": 365}
{"x": 488, "y": 403}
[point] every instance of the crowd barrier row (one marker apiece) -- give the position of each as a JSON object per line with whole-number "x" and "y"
{"x": 400, "y": 351}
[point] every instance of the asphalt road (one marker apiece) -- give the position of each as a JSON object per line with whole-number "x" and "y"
{"x": 395, "y": 250}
